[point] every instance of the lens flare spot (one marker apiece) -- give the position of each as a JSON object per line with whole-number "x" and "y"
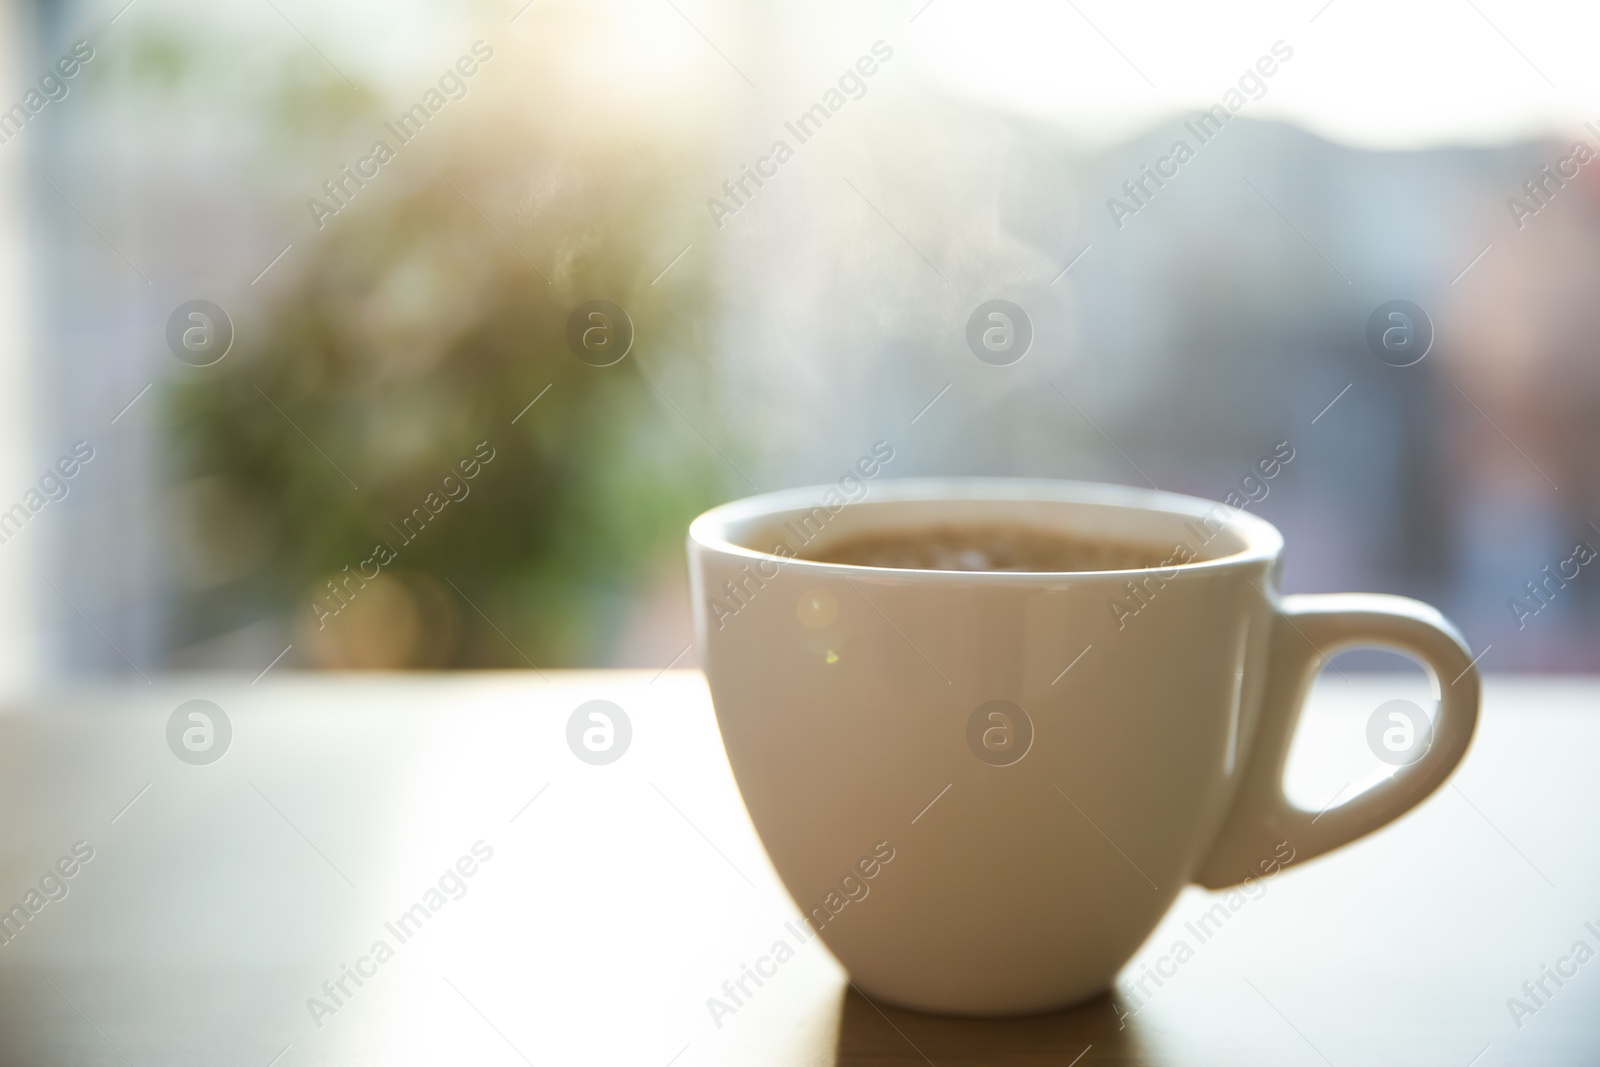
{"x": 817, "y": 609}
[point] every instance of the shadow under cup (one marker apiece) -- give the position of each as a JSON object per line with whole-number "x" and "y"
{"x": 984, "y": 788}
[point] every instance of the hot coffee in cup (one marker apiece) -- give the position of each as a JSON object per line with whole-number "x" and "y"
{"x": 984, "y": 548}
{"x": 1058, "y": 703}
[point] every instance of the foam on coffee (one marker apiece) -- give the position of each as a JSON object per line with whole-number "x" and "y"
{"x": 986, "y": 548}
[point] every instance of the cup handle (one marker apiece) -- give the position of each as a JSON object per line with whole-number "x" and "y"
{"x": 1305, "y": 630}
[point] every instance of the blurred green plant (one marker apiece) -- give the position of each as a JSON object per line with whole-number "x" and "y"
{"x": 420, "y": 322}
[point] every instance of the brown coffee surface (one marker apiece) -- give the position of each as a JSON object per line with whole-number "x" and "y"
{"x": 987, "y": 548}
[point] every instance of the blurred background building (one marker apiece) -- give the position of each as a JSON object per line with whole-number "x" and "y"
{"x": 394, "y": 314}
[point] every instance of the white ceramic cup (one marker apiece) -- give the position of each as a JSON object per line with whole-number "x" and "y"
{"x": 1134, "y": 752}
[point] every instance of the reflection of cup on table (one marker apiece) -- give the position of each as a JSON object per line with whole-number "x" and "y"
{"x": 1058, "y": 703}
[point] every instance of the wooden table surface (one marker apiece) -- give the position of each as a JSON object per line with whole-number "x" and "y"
{"x": 616, "y": 899}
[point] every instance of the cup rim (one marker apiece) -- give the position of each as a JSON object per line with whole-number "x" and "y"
{"x": 1262, "y": 542}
